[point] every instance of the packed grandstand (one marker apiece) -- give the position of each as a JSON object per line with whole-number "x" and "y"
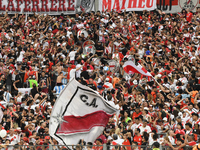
{"x": 40, "y": 54}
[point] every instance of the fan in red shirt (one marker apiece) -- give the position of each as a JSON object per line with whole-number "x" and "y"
{"x": 137, "y": 113}
{"x": 189, "y": 140}
{"x": 126, "y": 142}
{"x": 137, "y": 137}
{"x": 189, "y": 15}
{"x": 99, "y": 143}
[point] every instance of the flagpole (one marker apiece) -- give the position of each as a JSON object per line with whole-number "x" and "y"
{"x": 155, "y": 80}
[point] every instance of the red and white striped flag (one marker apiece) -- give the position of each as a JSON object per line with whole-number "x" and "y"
{"x": 130, "y": 68}
{"x": 79, "y": 113}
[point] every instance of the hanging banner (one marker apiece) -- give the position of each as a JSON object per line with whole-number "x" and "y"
{"x": 174, "y": 6}
{"x": 129, "y": 5}
{"x": 55, "y": 7}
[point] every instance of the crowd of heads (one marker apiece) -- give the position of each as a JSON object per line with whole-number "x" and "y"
{"x": 40, "y": 54}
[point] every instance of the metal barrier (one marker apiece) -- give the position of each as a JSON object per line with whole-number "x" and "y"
{"x": 84, "y": 147}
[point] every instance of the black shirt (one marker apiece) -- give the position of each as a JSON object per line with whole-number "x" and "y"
{"x": 124, "y": 51}
{"x": 92, "y": 86}
{"x": 85, "y": 75}
{"x": 18, "y": 84}
{"x": 99, "y": 47}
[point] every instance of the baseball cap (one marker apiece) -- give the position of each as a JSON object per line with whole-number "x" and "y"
{"x": 107, "y": 79}
{"x": 109, "y": 72}
{"x": 165, "y": 119}
{"x": 25, "y": 139}
{"x": 12, "y": 66}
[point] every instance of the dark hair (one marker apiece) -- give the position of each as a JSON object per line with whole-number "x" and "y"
{"x": 135, "y": 143}
{"x": 155, "y": 136}
{"x": 146, "y": 138}
{"x": 156, "y": 144}
{"x": 138, "y": 129}
{"x": 180, "y": 125}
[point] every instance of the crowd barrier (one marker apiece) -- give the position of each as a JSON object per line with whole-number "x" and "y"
{"x": 85, "y": 147}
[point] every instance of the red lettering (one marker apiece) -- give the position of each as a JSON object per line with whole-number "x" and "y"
{"x": 116, "y": 5}
{"x": 62, "y": 3}
{"x": 106, "y": 5}
{"x": 70, "y": 5}
{"x": 35, "y": 4}
{"x": 123, "y": 4}
{"x": 45, "y": 5}
{"x": 10, "y": 3}
{"x": 27, "y": 8}
{"x": 53, "y": 7}
{"x": 132, "y": 3}
{"x": 149, "y": 3}
{"x": 2, "y": 8}
{"x": 141, "y": 4}
{"x": 18, "y": 9}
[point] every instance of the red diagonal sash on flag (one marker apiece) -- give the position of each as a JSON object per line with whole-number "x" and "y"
{"x": 75, "y": 124}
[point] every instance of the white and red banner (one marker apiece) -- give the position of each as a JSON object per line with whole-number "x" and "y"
{"x": 174, "y": 6}
{"x": 53, "y": 7}
{"x": 129, "y": 5}
{"x": 79, "y": 113}
{"x": 130, "y": 68}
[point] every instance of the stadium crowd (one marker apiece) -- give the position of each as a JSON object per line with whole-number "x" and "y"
{"x": 40, "y": 54}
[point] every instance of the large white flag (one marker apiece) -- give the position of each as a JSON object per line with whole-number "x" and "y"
{"x": 79, "y": 113}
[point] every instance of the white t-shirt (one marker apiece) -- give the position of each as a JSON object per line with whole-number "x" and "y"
{"x": 134, "y": 126}
{"x": 72, "y": 55}
{"x": 20, "y": 58}
{"x": 171, "y": 139}
{"x": 69, "y": 33}
{"x": 13, "y": 138}
{"x": 72, "y": 74}
{"x": 24, "y": 90}
{"x": 145, "y": 129}
{"x": 78, "y": 72}
{"x": 158, "y": 128}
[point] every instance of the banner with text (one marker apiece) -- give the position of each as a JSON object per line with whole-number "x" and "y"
{"x": 174, "y": 6}
{"x": 54, "y": 7}
{"x": 129, "y": 5}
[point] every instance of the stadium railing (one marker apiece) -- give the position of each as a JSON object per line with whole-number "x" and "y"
{"x": 85, "y": 147}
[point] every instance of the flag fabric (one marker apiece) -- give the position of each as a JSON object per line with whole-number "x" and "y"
{"x": 1, "y": 114}
{"x": 79, "y": 113}
{"x": 130, "y": 68}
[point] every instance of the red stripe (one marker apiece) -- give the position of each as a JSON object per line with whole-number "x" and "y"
{"x": 112, "y": 66}
{"x": 85, "y": 123}
{"x": 188, "y": 2}
{"x": 129, "y": 69}
{"x": 2, "y": 106}
{"x": 143, "y": 69}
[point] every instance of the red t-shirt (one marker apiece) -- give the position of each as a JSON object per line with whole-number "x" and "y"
{"x": 192, "y": 143}
{"x": 126, "y": 142}
{"x": 135, "y": 115}
{"x": 189, "y": 17}
{"x": 138, "y": 139}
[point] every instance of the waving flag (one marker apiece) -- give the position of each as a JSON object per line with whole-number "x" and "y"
{"x": 79, "y": 113}
{"x": 130, "y": 68}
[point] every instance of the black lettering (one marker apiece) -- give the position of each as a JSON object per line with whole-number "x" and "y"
{"x": 159, "y": 5}
{"x": 93, "y": 103}
{"x": 170, "y": 4}
{"x": 164, "y": 6}
{"x": 84, "y": 98}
